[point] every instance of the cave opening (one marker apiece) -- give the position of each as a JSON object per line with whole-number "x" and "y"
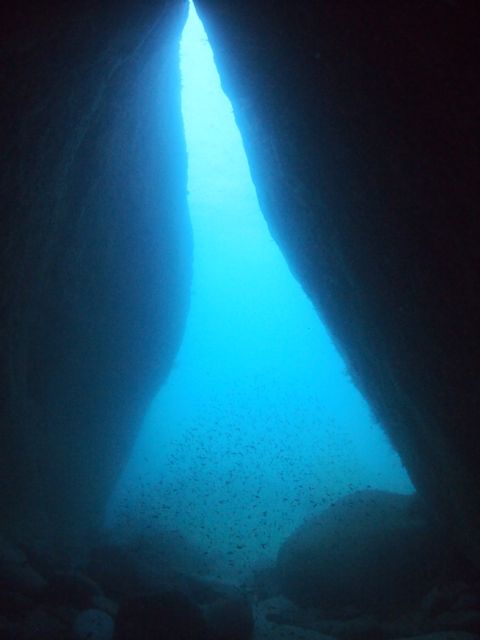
{"x": 259, "y": 424}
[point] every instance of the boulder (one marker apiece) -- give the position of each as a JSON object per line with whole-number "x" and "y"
{"x": 365, "y": 627}
{"x": 16, "y": 574}
{"x": 279, "y": 618}
{"x": 263, "y": 582}
{"x": 114, "y": 568}
{"x": 468, "y": 620}
{"x": 371, "y": 549}
{"x": 167, "y": 615}
{"x": 230, "y": 619}
{"x": 206, "y": 590}
{"x": 39, "y": 624}
{"x": 93, "y": 624}
{"x": 147, "y": 563}
{"x": 105, "y": 604}
{"x": 12, "y": 602}
{"x": 72, "y": 589}
{"x": 443, "y": 598}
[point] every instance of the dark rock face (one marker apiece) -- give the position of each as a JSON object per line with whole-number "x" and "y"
{"x": 360, "y": 122}
{"x": 370, "y": 550}
{"x": 147, "y": 564}
{"x": 94, "y": 249}
{"x": 361, "y": 125}
{"x": 230, "y": 619}
{"x": 169, "y": 615}
{"x": 16, "y": 573}
{"x": 279, "y": 618}
{"x": 93, "y": 625}
{"x": 70, "y": 589}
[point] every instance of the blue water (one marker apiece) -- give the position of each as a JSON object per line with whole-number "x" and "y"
{"x": 259, "y": 424}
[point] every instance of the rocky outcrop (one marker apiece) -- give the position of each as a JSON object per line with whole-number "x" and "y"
{"x": 360, "y": 124}
{"x": 169, "y": 614}
{"x": 94, "y": 250}
{"x": 160, "y": 560}
{"x": 279, "y": 619}
{"x": 370, "y": 551}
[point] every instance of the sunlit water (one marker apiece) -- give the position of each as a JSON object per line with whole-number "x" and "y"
{"x": 258, "y": 425}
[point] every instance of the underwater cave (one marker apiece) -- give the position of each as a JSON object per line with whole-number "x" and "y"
{"x": 258, "y": 426}
{"x": 240, "y": 321}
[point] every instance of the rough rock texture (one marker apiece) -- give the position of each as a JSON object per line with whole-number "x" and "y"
{"x": 360, "y": 121}
{"x": 93, "y": 625}
{"x": 150, "y": 563}
{"x": 16, "y": 573}
{"x": 361, "y": 125}
{"x": 230, "y": 619}
{"x": 371, "y": 550}
{"x": 275, "y": 615}
{"x": 168, "y": 615}
{"x": 94, "y": 249}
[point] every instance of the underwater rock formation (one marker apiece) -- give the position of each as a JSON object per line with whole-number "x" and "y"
{"x": 230, "y": 618}
{"x": 72, "y": 605}
{"x": 370, "y": 550}
{"x": 169, "y": 615}
{"x": 360, "y": 122}
{"x": 278, "y": 619}
{"x": 16, "y": 573}
{"x": 148, "y": 563}
{"x": 92, "y": 624}
{"x": 94, "y": 250}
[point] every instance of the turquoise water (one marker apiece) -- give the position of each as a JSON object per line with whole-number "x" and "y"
{"x": 259, "y": 424}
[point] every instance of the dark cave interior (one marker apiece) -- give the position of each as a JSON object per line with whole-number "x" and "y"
{"x": 360, "y": 123}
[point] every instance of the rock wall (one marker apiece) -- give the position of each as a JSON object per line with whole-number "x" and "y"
{"x": 360, "y": 120}
{"x": 94, "y": 249}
